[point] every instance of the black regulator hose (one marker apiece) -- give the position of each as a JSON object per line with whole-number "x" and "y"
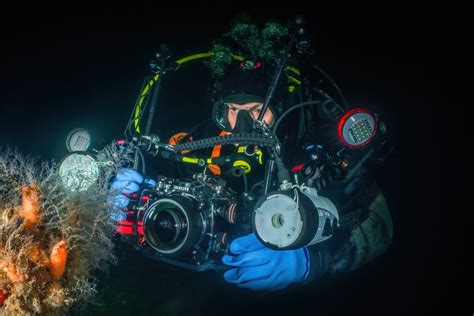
{"x": 294, "y": 107}
{"x": 243, "y": 139}
{"x": 338, "y": 90}
{"x": 136, "y": 163}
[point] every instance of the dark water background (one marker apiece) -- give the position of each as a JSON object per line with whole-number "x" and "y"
{"x": 84, "y": 69}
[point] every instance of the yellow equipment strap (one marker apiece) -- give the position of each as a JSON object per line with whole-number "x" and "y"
{"x": 190, "y": 160}
{"x": 143, "y": 95}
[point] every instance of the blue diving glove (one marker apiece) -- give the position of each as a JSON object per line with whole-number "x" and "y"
{"x": 257, "y": 267}
{"x": 126, "y": 181}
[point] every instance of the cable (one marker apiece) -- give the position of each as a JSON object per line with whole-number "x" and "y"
{"x": 139, "y": 154}
{"x": 329, "y": 99}
{"x": 246, "y": 186}
{"x": 255, "y": 185}
{"x": 294, "y": 107}
{"x": 341, "y": 95}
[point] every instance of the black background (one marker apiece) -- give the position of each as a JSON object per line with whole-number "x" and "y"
{"x": 83, "y": 66}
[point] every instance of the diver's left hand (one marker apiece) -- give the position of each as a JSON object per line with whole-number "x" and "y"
{"x": 257, "y": 267}
{"x": 126, "y": 181}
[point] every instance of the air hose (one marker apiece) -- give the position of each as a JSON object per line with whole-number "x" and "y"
{"x": 243, "y": 139}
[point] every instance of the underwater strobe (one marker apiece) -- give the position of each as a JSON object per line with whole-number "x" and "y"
{"x": 79, "y": 170}
{"x": 293, "y": 219}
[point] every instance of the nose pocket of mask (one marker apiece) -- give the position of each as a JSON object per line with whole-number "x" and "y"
{"x": 244, "y": 122}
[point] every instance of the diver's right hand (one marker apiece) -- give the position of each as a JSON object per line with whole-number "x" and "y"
{"x": 125, "y": 182}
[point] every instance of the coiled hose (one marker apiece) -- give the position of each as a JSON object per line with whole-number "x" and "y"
{"x": 243, "y": 139}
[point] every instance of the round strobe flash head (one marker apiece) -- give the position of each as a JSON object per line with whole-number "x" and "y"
{"x": 78, "y": 172}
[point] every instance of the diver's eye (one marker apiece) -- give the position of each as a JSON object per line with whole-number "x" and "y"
{"x": 256, "y": 112}
{"x": 233, "y": 110}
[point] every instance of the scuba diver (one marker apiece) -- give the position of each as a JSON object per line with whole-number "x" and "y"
{"x": 329, "y": 164}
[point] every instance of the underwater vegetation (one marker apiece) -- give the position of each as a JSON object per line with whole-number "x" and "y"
{"x": 51, "y": 241}
{"x": 264, "y": 43}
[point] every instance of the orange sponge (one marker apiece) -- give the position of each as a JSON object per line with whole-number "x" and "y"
{"x": 30, "y": 205}
{"x": 57, "y": 259}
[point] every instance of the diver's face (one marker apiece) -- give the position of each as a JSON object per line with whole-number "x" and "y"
{"x": 253, "y": 108}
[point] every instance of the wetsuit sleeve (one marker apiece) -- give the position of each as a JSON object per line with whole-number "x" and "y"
{"x": 374, "y": 235}
{"x": 351, "y": 248}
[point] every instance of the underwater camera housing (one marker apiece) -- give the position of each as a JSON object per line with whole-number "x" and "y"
{"x": 187, "y": 223}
